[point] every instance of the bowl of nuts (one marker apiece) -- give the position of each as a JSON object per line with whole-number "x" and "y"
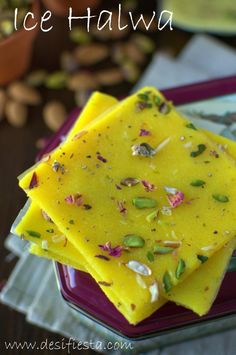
{"x": 18, "y": 19}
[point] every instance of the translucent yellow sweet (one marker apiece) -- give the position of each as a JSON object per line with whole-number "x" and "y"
{"x": 75, "y": 263}
{"x": 97, "y": 105}
{"x": 173, "y": 166}
{"x": 201, "y": 288}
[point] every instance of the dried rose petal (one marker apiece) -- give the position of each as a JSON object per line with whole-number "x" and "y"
{"x": 115, "y": 252}
{"x": 79, "y": 200}
{"x": 105, "y": 247}
{"x": 121, "y": 207}
{"x": 176, "y": 199}
{"x": 70, "y": 199}
{"x": 34, "y": 181}
{"x": 144, "y": 132}
{"x": 148, "y": 185}
{"x": 101, "y": 158}
{"x": 214, "y": 153}
{"x": 76, "y": 199}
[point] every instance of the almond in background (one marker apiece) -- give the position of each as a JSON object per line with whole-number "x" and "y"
{"x": 16, "y": 113}
{"x": 23, "y": 93}
{"x": 54, "y": 114}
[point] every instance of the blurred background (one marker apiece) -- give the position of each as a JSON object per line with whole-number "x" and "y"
{"x": 45, "y": 75}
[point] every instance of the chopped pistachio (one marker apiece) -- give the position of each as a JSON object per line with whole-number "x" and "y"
{"x": 144, "y": 202}
{"x": 220, "y": 198}
{"x": 50, "y": 230}
{"x": 197, "y": 183}
{"x": 191, "y": 126}
{"x": 133, "y": 241}
{"x": 196, "y": 153}
{"x": 162, "y": 250}
{"x": 144, "y": 96}
{"x": 150, "y": 256}
{"x": 34, "y": 234}
{"x": 167, "y": 281}
{"x": 180, "y": 268}
{"x": 202, "y": 258}
{"x": 152, "y": 216}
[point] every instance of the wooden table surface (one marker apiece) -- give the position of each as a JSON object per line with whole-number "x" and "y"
{"x": 18, "y": 151}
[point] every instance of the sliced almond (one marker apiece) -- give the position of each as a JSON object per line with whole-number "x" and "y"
{"x": 139, "y": 268}
{"x": 154, "y": 291}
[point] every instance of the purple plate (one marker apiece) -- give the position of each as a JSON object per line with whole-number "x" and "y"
{"x": 81, "y": 291}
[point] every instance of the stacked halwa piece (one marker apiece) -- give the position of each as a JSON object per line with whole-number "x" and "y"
{"x": 139, "y": 198}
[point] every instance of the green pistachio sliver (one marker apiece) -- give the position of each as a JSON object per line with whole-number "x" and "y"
{"x": 197, "y": 183}
{"x": 34, "y": 234}
{"x": 143, "y": 96}
{"x": 144, "y": 202}
{"x": 167, "y": 281}
{"x": 152, "y": 216}
{"x": 191, "y": 126}
{"x": 133, "y": 241}
{"x": 162, "y": 250}
{"x": 50, "y": 230}
{"x": 196, "y": 153}
{"x": 220, "y": 198}
{"x": 157, "y": 100}
{"x": 180, "y": 268}
{"x": 202, "y": 258}
{"x": 150, "y": 256}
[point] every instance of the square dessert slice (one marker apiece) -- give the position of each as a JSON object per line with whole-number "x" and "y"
{"x": 143, "y": 139}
